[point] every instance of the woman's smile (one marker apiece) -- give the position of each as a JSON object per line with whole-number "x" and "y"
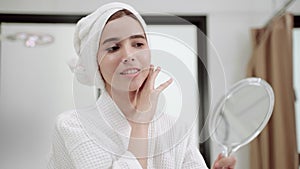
{"x": 130, "y": 72}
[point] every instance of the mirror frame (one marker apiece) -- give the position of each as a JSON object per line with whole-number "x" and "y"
{"x": 198, "y": 21}
{"x": 297, "y": 21}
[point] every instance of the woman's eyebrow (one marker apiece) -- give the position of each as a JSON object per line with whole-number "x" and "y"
{"x": 110, "y": 39}
{"x": 118, "y": 39}
{"x": 137, "y": 36}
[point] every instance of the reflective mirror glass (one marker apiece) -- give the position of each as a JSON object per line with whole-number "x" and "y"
{"x": 242, "y": 113}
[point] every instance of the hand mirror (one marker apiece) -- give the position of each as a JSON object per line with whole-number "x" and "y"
{"x": 241, "y": 114}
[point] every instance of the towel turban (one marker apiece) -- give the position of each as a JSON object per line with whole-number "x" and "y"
{"x": 86, "y": 42}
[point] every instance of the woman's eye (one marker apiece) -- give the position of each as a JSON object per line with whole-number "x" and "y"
{"x": 112, "y": 49}
{"x": 139, "y": 44}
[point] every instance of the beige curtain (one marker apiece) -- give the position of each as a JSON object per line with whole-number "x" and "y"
{"x": 275, "y": 147}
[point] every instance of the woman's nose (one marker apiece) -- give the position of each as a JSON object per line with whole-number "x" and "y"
{"x": 127, "y": 54}
{"x": 128, "y": 59}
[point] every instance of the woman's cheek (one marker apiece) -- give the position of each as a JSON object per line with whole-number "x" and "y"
{"x": 145, "y": 59}
{"x": 106, "y": 69}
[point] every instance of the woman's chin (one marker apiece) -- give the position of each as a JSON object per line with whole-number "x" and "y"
{"x": 134, "y": 87}
{"x": 136, "y": 83}
{"x": 130, "y": 85}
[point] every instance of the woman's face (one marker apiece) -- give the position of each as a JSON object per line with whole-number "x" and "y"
{"x": 124, "y": 55}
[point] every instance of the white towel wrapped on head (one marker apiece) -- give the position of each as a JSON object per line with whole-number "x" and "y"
{"x": 86, "y": 42}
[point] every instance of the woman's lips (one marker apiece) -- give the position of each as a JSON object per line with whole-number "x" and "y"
{"x": 131, "y": 72}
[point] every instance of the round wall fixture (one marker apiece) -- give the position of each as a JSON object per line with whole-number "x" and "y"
{"x": 32, "y": 39}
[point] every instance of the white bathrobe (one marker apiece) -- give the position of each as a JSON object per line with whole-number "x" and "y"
{"x": 97, "y": 137}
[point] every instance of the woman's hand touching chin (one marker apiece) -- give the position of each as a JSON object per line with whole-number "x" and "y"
{"x": 224, "y": 162}
{"x": 147, "y": 96}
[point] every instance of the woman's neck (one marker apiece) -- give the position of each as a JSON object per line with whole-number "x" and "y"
{"x": 125, "y": 100}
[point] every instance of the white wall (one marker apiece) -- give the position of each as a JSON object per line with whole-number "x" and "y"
{"x": 229, "y": 23}
{"x": 296, "y": 53}
{"x": 170, "y": 6}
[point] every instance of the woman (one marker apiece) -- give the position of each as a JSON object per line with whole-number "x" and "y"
{"x": 125, "y": 128}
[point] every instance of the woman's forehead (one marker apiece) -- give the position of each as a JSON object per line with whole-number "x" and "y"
{"x": 121, "y": 28}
